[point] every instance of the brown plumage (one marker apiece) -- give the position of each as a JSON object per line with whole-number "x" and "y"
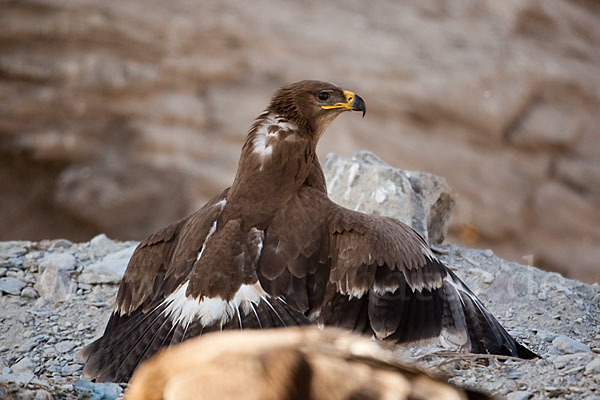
{"x": 285, "y": 364}
{"x": 273, "y": 250}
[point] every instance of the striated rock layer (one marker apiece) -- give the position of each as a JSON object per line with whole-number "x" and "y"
{"x": 107, "y": 109}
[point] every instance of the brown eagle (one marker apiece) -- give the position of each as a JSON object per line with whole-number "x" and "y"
{"x": 273, "y": 250}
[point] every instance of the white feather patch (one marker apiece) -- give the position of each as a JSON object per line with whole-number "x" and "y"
{"x": 212, "y": 230}
{"x": 182, "y": 309}
{"x": 259, "y": 143}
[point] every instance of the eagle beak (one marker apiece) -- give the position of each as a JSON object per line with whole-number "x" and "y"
{"x": 357, "y": 103}
{"x": 353, "y": 103}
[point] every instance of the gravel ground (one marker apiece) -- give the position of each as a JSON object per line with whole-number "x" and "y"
{"x": 56, "y": 296}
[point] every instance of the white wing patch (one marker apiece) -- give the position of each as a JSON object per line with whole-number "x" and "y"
{"x": 212, "y": 229}
{"x": 182, "y": 309}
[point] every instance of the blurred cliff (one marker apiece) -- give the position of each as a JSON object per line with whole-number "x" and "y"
{"x": 121, "y": 117}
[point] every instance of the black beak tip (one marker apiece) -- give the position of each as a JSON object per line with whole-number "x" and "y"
{"x": 359, "y": 105}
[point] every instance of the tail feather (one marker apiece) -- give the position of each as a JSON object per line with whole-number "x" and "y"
{"x": 130, "y": 340}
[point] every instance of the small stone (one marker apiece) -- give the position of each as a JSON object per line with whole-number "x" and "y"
{"x": 546, "y": 336}
{"x": 63, "y": 261}
{"x": 65, "y": 346}
{"x": 569, "y": 346}
{"x": 542, "y": 296}
{"x": 11, "y": 285}
{"x": 71, "y": 369}
{"x": 488, "y": 253}
{"x": 24, "y": 365}
{"x": 60, "y": 244}
{"x": 593, "y": 368}
{"x": 567, "y": 360}
{"x": 519, "y": 395}
{"x": 105, "y": 390}
{"x": 109, "y": 270}
{"x": 101, "y": 240}
{"x": 3, "y": 271}
{"x": 19, "y": 274}
{"x": 55, "y": 285}
{"x": 29, "y": 293}
{"x": 41, "y": 394}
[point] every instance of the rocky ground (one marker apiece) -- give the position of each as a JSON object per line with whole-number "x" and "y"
{"x": 39, "y": 336}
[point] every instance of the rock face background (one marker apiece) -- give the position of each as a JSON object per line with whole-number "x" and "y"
{"x": 120, "y": 117}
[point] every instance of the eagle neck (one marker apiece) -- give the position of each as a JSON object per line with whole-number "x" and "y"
{"x": 276, "y": 160}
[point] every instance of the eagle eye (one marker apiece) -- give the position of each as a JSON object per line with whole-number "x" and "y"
{"x": 323, "y": 96}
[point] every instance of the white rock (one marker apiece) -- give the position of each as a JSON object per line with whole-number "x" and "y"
{"x": 11, "y": 285}
{"x": 365, "y": 183}
{"x": 101, "y": 240}
{"x": 593, "y": 368}
{"x": 55, "y": 285}
{"x": 71, "y": 369}
{"x": 24, "y": 365}
{"x": 29, "y": 293}
{"x": 109, "y": 270}
{"x": 63, "y": 261}
{"x": 569, "y": 346}
{"x": 42, "y": 395}
{"x": 65, "y": 346}
{"x": 519, "y": 395}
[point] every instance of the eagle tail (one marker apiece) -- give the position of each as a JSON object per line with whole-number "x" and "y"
{"x": 131, "y": 339}
{"x": 469, "y": 315}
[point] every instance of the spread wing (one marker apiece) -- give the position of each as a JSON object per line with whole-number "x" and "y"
{"x": 384, "y": 280}
{"x": 158, "y": 266}
{"x": 373, "y": 275}
{"x": 187, "y": 279}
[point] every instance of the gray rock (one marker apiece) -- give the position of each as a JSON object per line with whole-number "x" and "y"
{"x": 109, "y": 270}
{"x": 519, "y": 395}
{"x": 569, "y": 346}
{"x": 65, "y": 346}
{"x": 11, "y": 285}
{"x": 41, "y": 394}
{"x": 570, "y": 360}
{"x": 63, "y": 261}
{"x": 14, "y": 248}
{"x": 3, "y": 271}
{"x": 19, "y": 274}
{"x": 60, "y": 244}
{"x": 98, "y": 391}
{"x": 365, "y": 183}
{"x": 22, "y": 377}
{"x": 24, "y": 365}
{"x": 545, "y": 335}
{"x": 29, "y": 293}
{"x": 593, "y": 368}
{"x": 71, "y": 369}
{"x": 55, "y": 285}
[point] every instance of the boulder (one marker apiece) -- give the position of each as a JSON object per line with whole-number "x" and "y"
{"x": 365, "y": 183}
{"x": 109, "y": 270}
{"x": 55, "y": 285}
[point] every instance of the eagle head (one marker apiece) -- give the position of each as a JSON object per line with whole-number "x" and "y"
{"x": 314, "y": 104}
